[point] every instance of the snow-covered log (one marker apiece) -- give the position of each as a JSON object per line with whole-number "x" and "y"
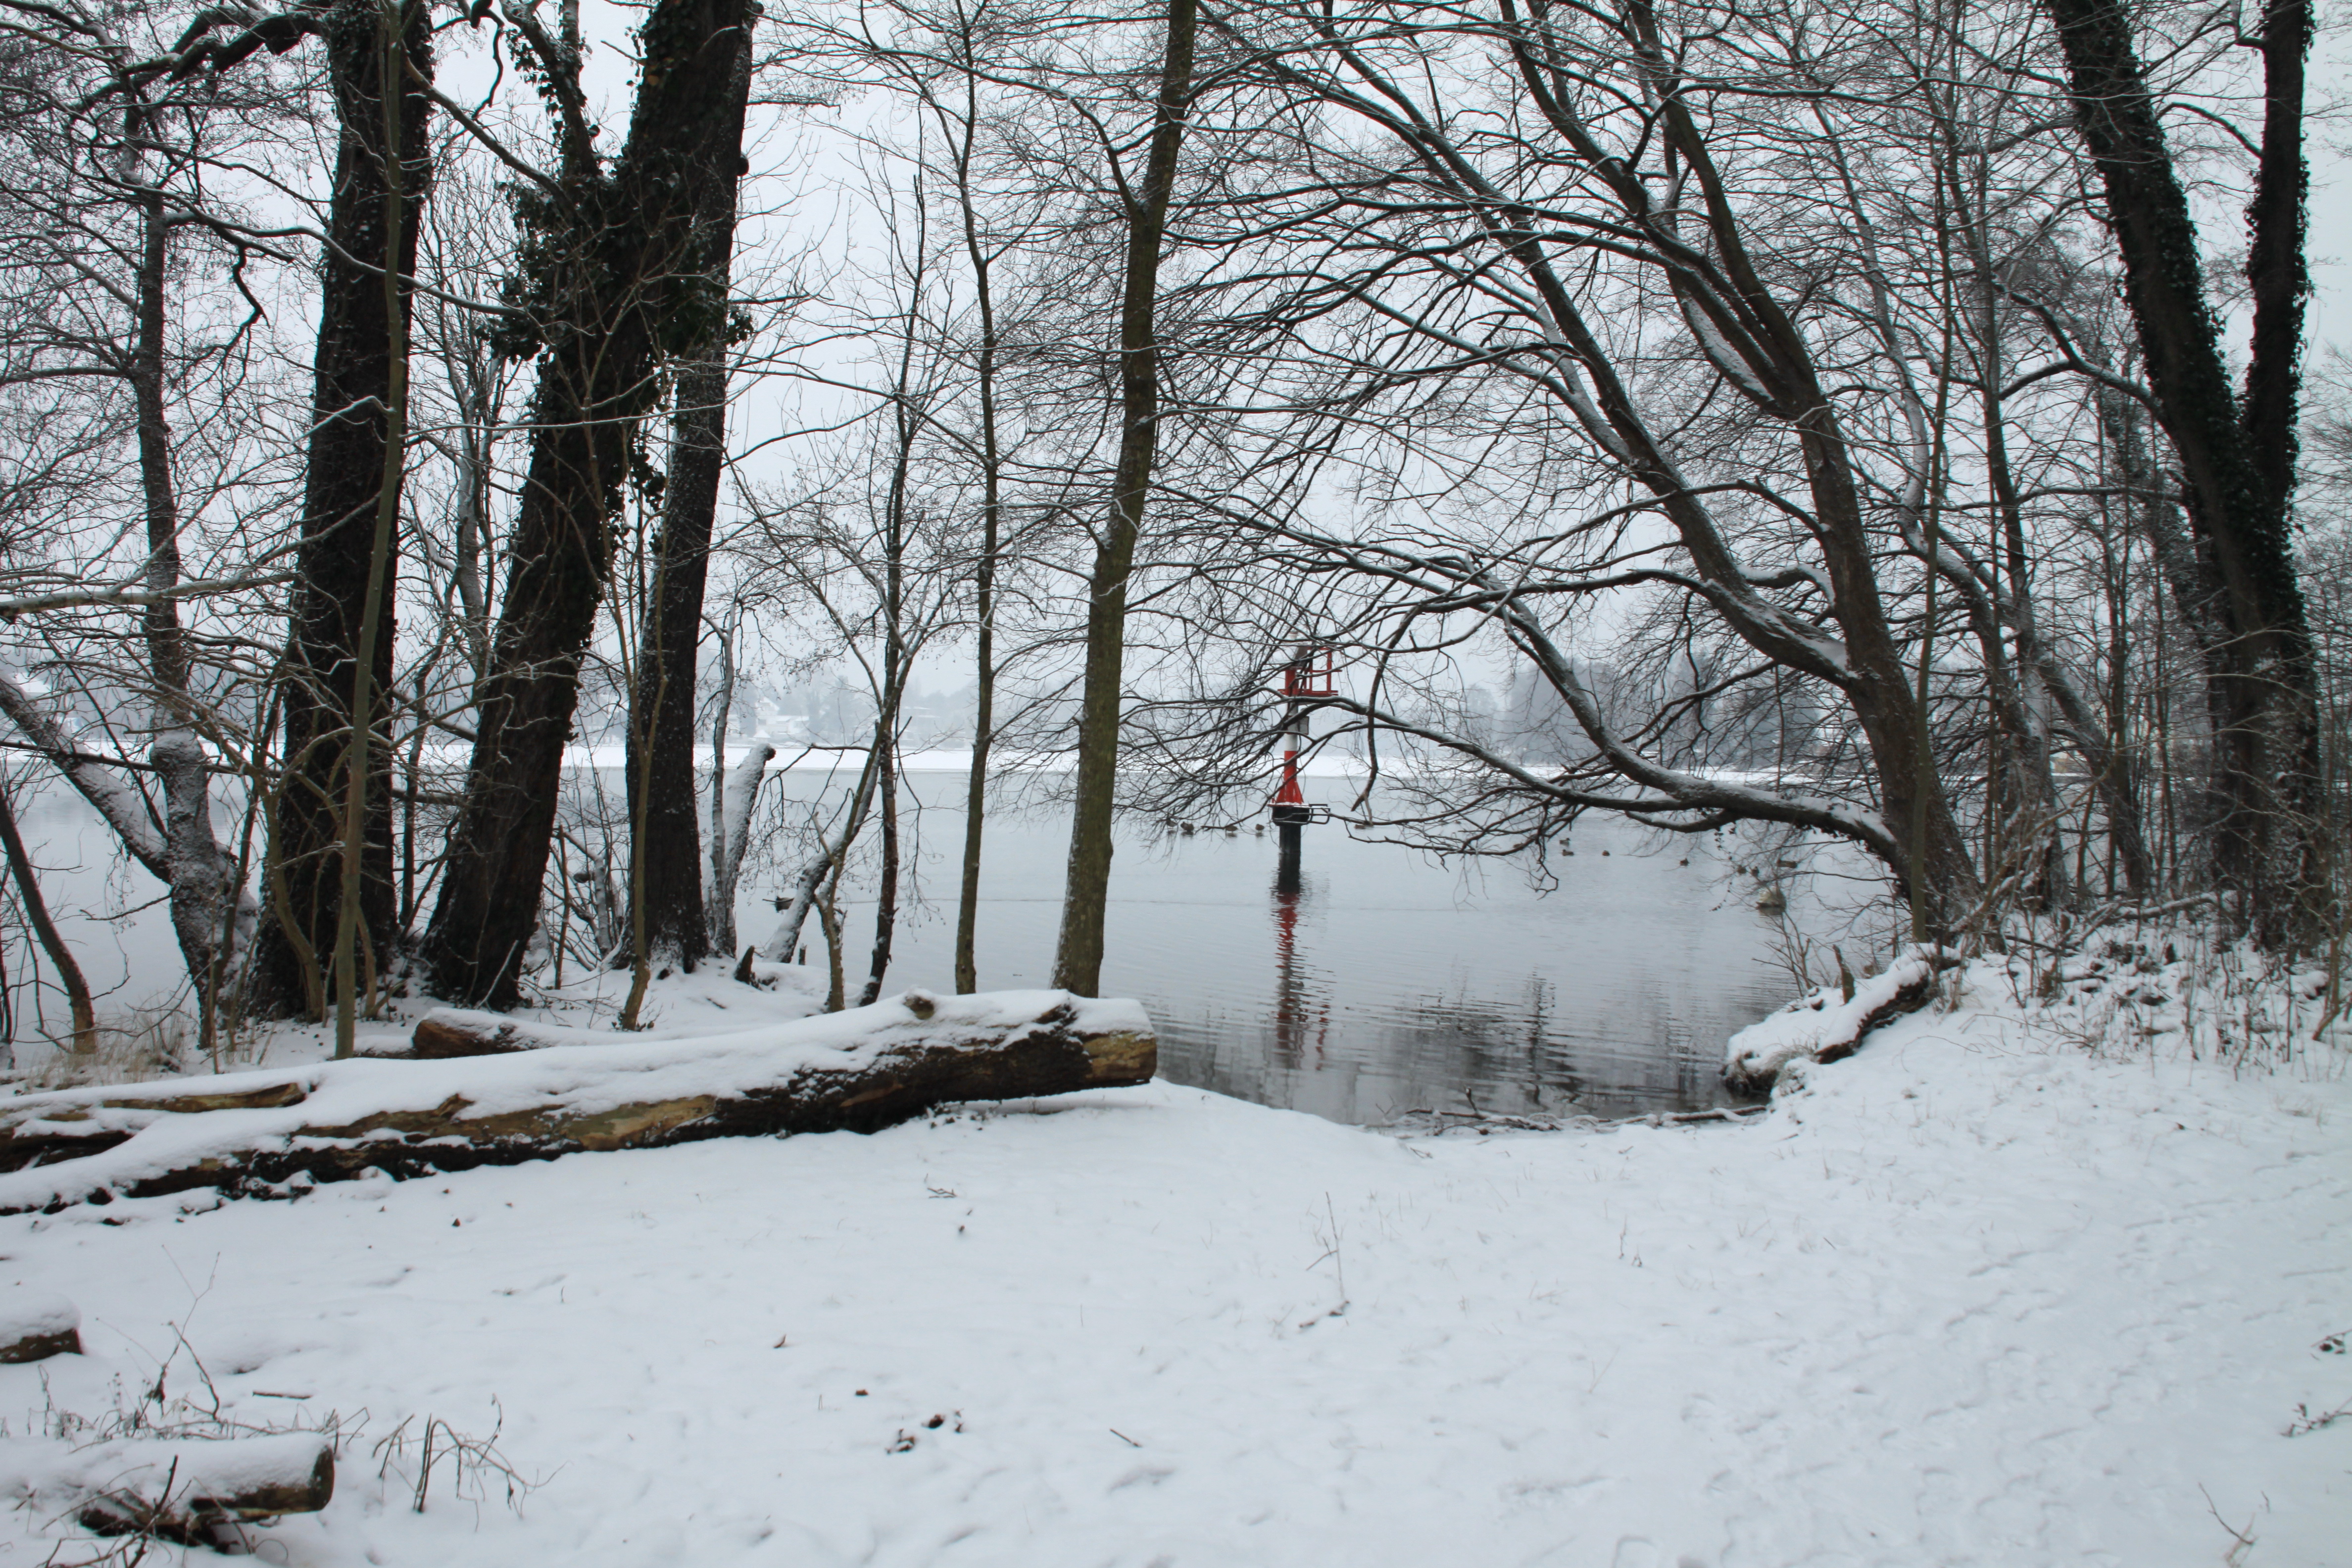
{"x": 1825, "y": 1027}
{"x": 35, "y": 1325}
{"x": 856, "y": 1070}
{"x": 447, "y": 1033}
{"x": 178, "y": 1488}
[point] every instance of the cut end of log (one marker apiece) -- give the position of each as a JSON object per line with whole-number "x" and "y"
{"x": 1117, "y": 1061}
{"x": 40, "y": 1346}
{"x": 267, "y": 1498}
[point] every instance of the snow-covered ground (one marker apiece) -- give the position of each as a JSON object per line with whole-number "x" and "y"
{"x": 1974, "y": 1295}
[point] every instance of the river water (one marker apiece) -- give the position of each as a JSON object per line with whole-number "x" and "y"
{"x": 1387, "y": 982}
{"x": 1390, "y": 981}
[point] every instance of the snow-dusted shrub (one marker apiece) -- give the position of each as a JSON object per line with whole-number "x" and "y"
{"x": 133, "y": 1046}
{"x": 2181, "y": 986}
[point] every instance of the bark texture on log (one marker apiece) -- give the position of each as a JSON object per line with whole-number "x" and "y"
{"x": 857, "y": 1071}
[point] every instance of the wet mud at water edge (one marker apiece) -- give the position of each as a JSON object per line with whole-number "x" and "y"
{"x": 1386, "y": 982}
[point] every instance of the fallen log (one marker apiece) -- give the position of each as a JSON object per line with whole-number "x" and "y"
{"x": 1829, "y": 1026}
{"x": 858, "y": 1071}
{"x": 178, "y": 1490}
{"x": 35, "y": 1325}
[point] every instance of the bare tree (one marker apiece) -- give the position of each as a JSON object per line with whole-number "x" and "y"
{"x": 120, "y": 143}
{"x": 1077, "y": 959}
{"x": 37, "y": 915}
{"x": 2237, "y": 453}
{"x": 1553, "y": 224}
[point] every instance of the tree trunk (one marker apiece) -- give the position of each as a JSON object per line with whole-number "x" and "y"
{"x": 196, "y": 870}
{"x": 362, "y": 758}
{"x": 894, "y": 673}
{"x": 1077, "y": 960}
{"x": 2024, "y": 721}
{"x": 983, "y": 719}
{"x": 886, "y": 900}
{"x": 620, "y": 277}
{"x": 722, "y": 915}
{"x": 662, "y": 807}
{"x": 777, "y": 948}
{"x": 36, "y": 914}
{"x": 666, "y": 833}
{"x": 359, "y": 348}
{"x": 992, "y": 518}
{"x": 2236, "y": 461}
{"x": 836, "y": 992}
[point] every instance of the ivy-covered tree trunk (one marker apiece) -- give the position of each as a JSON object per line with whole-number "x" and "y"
{"x": 614, "y": 276}
{"x": 665, "y": 832}
{"x": 351, "y": 393}
{"x": 2237, "y": 460}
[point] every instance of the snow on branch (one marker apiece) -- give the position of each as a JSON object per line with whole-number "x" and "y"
{"x": 136, "y": 595}
{"x": 123, "y": 807}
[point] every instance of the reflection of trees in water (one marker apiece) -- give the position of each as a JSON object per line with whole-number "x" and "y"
{"x": 1444, "y": 1051}
{"x": 1327, "y": 1039}
{"x": 1497, "y": 1051}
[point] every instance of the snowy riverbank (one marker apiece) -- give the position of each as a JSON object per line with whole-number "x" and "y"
{"x": 1971, "y": 1296}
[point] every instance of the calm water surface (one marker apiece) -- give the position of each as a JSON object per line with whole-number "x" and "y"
{"x": 1390, "y": 981}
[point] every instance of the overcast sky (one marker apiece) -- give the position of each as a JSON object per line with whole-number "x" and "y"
{"x": 2331, "y": 182}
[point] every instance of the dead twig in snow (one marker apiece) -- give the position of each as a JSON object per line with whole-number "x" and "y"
{"x": 2243, "y": 1539}
{"x": 478, "y": 1456}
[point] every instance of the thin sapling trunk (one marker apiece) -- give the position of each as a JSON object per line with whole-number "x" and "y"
{"x": 1077, "y": 961}
{"x": 36, "y": 913}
